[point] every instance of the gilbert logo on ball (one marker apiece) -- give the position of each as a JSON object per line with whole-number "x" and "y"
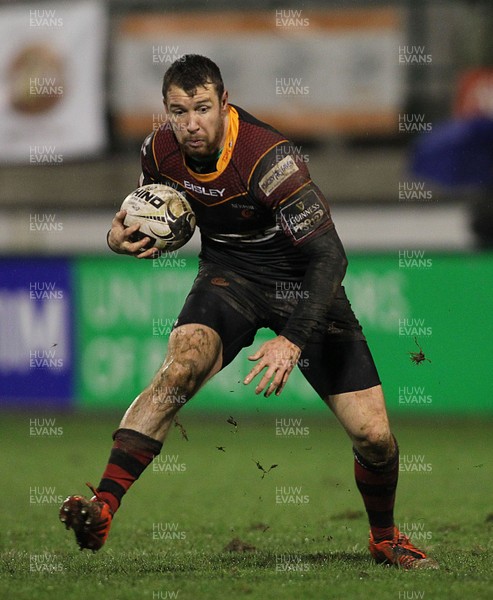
{"x": 164, "y": 215}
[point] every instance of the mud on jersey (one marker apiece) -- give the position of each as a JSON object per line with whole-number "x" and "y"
{"x": 256, "y": 208}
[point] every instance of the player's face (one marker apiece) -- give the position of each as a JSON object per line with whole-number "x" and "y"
{"x": 198, "y": 121}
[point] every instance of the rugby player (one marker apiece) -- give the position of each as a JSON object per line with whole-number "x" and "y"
{"x": 264, "y": 226}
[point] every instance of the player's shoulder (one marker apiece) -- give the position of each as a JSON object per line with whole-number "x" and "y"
{"x": 159, "y": 142}
{"x": 146, "y": 148}
{"x": 255, "y": 129}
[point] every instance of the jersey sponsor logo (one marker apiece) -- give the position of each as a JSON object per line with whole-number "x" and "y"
{"x": 200, "y": 189}
{"x": 247, "y": 210}
{"x": 239, "y": 205}
{"x": 279, "y": 173}
{"x": 302, "y": 216}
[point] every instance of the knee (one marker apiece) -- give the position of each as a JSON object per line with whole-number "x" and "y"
{"x": 377, "y": 445}
{"x": 182, "y": 375}
{"x": 175, "y": 384}
{"x": 193, "y": 356}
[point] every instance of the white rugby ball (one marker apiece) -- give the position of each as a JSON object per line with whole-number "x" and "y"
{"x": 164, "y": 215}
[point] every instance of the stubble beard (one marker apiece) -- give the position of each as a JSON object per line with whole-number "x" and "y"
{"x": 210, "y": 149}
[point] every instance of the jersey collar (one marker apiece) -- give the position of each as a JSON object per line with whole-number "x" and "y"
{"x": 227, "y": 151}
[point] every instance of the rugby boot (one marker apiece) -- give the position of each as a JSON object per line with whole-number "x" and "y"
{"x": 400, "y": 552}
{"x": 90, "y": 519}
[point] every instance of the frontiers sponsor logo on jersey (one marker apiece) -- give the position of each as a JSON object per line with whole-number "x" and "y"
{"x": 200, "y": 189}
{"x": 281, "y": 171}
{"x": 414, "y": 327}
{"x": 415, "y": 55}
{"x": 413, "y": 395}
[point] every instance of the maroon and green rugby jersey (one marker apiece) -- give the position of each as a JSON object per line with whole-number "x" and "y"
{"x": 256, "y": 208}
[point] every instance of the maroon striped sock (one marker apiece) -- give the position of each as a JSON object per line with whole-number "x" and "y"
{"x": 132, "y": 452}
{"x": 377, "y": 486}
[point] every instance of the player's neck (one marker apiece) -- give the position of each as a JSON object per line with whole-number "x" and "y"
{"x": 203, "y": 165}
{"x": 208, "y": 164}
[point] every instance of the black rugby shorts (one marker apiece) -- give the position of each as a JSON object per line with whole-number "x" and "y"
{"x": 336, "y": 358}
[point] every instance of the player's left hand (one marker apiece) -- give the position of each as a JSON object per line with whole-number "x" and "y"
{"x": 279, "y": 357}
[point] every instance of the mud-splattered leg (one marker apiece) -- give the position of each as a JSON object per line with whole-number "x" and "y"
{"x": 193, "y": 357}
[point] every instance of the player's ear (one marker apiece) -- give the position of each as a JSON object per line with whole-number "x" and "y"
{"x": 224, "y": 100}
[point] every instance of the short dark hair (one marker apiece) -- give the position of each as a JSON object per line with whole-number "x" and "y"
{"x": 191, "y": 71}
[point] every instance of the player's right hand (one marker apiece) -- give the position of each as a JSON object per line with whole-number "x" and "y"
{"x": 119, "y": 239}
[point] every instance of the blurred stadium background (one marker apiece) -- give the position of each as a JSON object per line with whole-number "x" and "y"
{"x": 390, "y": 105}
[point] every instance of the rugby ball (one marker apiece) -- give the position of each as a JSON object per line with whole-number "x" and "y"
{"x": 164, "y": 215}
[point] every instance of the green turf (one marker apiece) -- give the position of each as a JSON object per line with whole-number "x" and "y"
{"x": 312, "y": 549}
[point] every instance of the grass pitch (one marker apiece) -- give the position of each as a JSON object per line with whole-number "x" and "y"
{"x": 296, "y": 530}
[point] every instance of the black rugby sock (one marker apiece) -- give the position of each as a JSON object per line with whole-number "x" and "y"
{"x": 132, "y": 452}
{"x": 377, "y": 486}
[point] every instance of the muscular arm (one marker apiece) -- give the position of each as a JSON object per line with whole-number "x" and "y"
{"x": 303, "y": 214}
{"x": 119, "y": 237}
{"x": 305, "y": 219}
{"x": 323, "y": 277}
